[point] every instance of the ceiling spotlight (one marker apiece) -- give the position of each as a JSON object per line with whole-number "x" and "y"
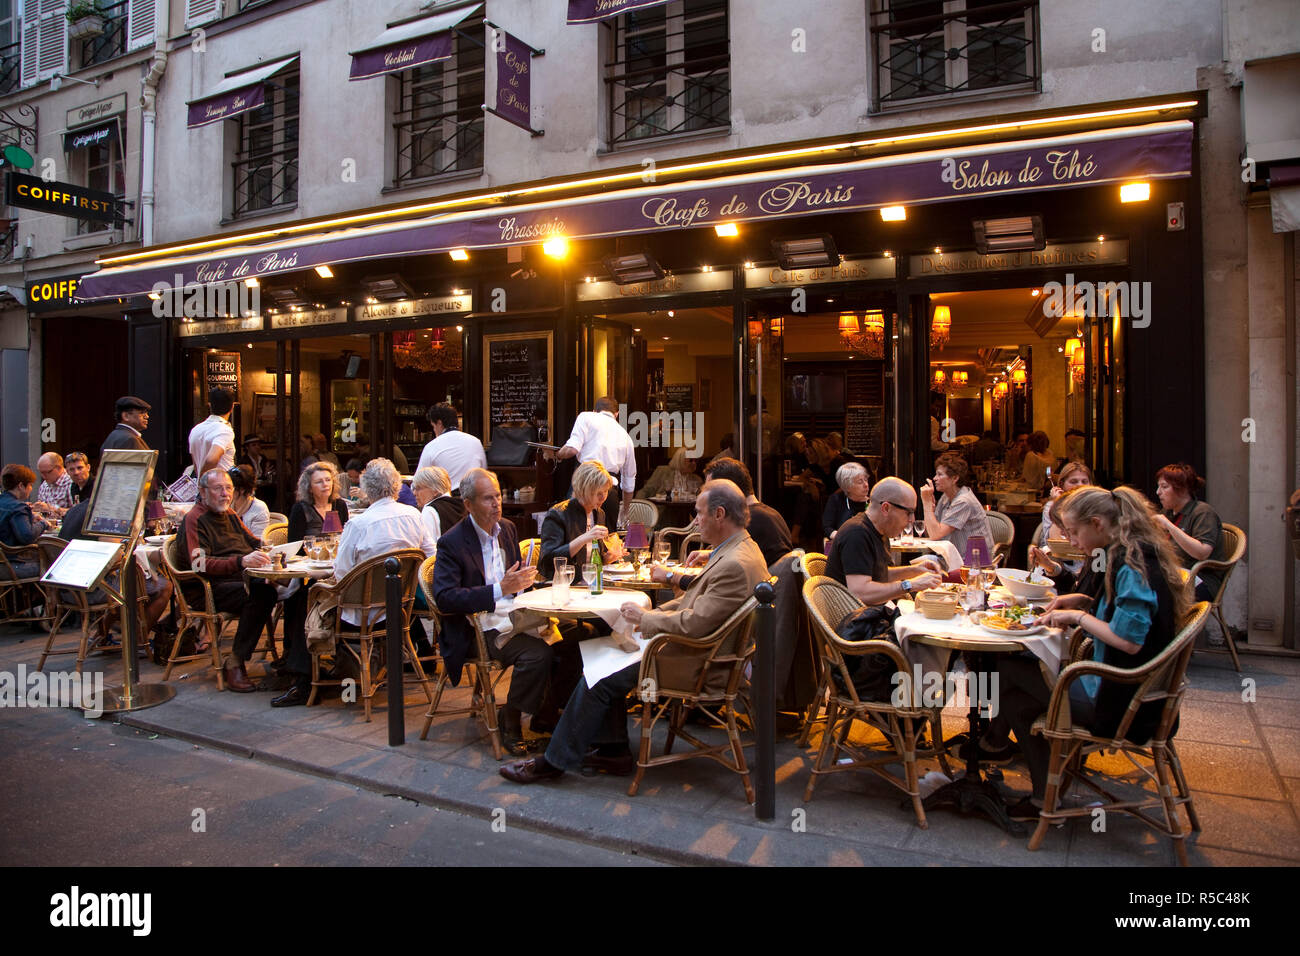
{"x": 671, "y": 313}
{"x": 325, "y": 272}
{"x": 1036, "y": 293}
{"x": 706, "y": 268}
{"x": 727, "y": 229}
{"x": 557, "y": 247}
{"x": 749, "y": 264}
{"x": 460, "y": 328}
{"x": 893, "y": 213}
{"x": 460, "y": 255}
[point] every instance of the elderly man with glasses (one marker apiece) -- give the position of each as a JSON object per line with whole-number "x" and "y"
{"x": 859, "y": 557}
{"x": 55, "y": 491}
{"x": 215, "y": 543}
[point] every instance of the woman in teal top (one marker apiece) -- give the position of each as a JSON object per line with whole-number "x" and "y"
{"x": 1136, "y": 618}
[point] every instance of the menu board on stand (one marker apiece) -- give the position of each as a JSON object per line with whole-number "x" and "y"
{"x": 517, "y": 372}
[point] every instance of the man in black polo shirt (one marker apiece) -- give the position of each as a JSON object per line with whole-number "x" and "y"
{"x": 859, "y": 557}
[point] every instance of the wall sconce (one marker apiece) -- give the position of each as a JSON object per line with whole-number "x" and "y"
{"x": 940, "y": 327}
{"x": 960, "y": 379}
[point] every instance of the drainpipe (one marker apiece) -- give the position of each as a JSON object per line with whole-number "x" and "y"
{"x": 149, "y": 118}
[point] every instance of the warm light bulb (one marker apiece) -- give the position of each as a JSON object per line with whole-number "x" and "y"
{"x": 727, "y": 229}
{"x": 1134, "y": 192}
{"x": 460, "y": 255}
{"x": 557, "y": 247}
{"x": 893, "y": 213}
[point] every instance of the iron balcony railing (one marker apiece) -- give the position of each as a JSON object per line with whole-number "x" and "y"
{"x": 10, "y": 67}
{"x": 265, "y": 168}
{"x": 438, "y": 122}
{"x": 670, "y": 72}
{"x": 926, "y": 48}
{"x": 110, "y": 43}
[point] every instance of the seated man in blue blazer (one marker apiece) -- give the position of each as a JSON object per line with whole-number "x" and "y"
{"x": 478, "y": 567}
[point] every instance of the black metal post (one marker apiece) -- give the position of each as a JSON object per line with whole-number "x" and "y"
{"x": 764, "y": 699}
{"x": 394, "y": 625}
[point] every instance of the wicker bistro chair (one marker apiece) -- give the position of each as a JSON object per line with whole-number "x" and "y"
{"x": 275, "y": 517}
{"x": 530, "y": 549}
{"x": 200, "y": 614}
{"x": 483, "y": 702}
{"x": 1163, "y": 678}
{"x": 64, "y": 602}
{"x": 363, "y": 590}
{"x": 276, "y": 533}
{"x": 810, "y": 565}
{"x": 707, "y": 677}
{"x": 1004, "y": 535}
{"x": 12, "y": 586}
{"x": 638, "y": 509}
{"x": 903, "y": 727}
{"x": 662, "y": 533}
{"x": 1234, "y": 543}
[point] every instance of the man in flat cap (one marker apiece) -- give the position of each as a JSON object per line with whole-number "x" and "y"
{"x": 132, "y": 419}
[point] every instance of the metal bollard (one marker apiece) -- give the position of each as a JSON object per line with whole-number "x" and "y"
{"x": 764, "y": 698}
{"x": 394, "y": 623}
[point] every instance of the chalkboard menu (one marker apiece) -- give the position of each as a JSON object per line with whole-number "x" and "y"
{"x": 223, "y": 369}
{"x": 679, "y": 398}
{"x": 517, "y": 378}
{"x": 864, "y": 430}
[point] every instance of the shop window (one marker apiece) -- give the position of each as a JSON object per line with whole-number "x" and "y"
{"x": 266, "y": 154}
{"x": 438, "y": 119}
{"x": 924, "y": 49}
{"x": 669, "y": 71}
{"x": 100, "y": 167}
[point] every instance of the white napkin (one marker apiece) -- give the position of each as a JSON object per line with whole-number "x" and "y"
{"x": 946, "y": 550}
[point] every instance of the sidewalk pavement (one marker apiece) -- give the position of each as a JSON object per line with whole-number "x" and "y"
{"x": 1239, "y": 741}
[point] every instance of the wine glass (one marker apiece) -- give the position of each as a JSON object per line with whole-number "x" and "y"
{"x": 988, "y": 577}
{"x": 589, "y": 576}
{"x": 970, "y": 576}
{"x": 918, "y": 528}
{"x": 663, "y": 549}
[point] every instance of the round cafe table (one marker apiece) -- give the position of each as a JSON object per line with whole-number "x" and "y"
{"x": 294, "y": 570}
{"x": 972, "y": 791}
{"x": 581, "y": 604}
{"x": 628, "y": 579}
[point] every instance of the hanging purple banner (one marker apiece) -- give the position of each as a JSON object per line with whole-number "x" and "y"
{"x": 401, "y": 56}
{"x": 514, "y": 82}
{"x": 226, "y": 105}
{"x": 591, "y": 11}
{"x": 1160, "y": 151}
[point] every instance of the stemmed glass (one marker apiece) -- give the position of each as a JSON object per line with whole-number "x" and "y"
{"x": 663, "y": 549}
{"x": 918, "y": 529}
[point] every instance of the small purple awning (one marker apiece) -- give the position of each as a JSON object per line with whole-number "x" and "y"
{"x": 409, "y": 44}
{"x": 591, "y": 11}
{"x": 237, "y": 93}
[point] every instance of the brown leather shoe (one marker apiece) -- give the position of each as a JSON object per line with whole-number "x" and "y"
{"x": 528, "y": 771}
{"x": 237, "y": 680}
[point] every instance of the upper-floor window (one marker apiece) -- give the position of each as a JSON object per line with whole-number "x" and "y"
{"x": 930, "y": 48}
{"x": 98, "y": 47}
{"x": 99, "y": 167}
{"x": 438, "y": 119}
{"x": 669, "y": 71}
{"x": 10, "y": 48}
{"x": 266, "y": 149}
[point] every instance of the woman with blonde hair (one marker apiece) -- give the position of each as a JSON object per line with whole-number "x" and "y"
{"x": 571, "y": 528}
{"x": 1138, "y": 613}
{"x": 318, "y": 495}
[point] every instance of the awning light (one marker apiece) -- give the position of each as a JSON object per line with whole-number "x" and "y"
{"x": 1135, "y": 192}
{"x": 459, "y": 255}
{"x": 894, "y": 213}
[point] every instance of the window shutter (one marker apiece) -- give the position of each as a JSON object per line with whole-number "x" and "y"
{"x": 30, "y": 49}
{"x": 201, "y": 11}
{"x": 52, "y": 46}
{"x": 140, "y": 20}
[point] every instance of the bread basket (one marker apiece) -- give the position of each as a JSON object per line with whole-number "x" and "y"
{"x": 937, "y": 605}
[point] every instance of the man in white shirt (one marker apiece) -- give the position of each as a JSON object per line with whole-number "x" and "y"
{"x": 451, "y": 449}
{"x": 212, "y": 441}
{"x": 597, "y": 436}
{"x": 387, "y": 525}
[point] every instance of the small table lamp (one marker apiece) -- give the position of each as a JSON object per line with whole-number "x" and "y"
{"x": 330, "y": 524}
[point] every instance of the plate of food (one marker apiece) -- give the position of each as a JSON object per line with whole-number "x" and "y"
{"x": 620, "y": 567}
{"x": 1013, "y": 621}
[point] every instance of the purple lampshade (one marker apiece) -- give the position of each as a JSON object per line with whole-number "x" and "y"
{"x": 636, "y": 537}
{"x": 154, "y": 510}
{"x": 330, "y": 524}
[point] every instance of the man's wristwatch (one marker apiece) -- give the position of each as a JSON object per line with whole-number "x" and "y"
{"x": 668, "y": 577}
{"x": 906, "y": 585}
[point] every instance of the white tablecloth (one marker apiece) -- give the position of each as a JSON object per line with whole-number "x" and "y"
{"x": 1049, "y": 647}
{"x": 601, "y": 656}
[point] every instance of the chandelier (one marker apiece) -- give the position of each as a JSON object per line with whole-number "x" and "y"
{"x": 940, "y": 326}
{"x": 869, "y": 338}
{"x": 1000, "y": 394}
{"x": 426, "y": 351}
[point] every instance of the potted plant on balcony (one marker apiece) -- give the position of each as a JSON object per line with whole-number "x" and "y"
{"x": 85, "y": 20}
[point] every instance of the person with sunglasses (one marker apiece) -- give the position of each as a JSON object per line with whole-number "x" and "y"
{"x": 859, "y": 557}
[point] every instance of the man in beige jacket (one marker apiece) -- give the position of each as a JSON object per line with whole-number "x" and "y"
{"x": 598, "y": 715}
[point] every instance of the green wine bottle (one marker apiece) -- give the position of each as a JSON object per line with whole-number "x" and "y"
{"x": 597, "y": 585}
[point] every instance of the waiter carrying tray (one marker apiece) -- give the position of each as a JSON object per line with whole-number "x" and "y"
{"x": 597, "y": 436}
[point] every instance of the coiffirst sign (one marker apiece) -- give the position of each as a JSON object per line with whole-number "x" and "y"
{"x": 62, "y": 199}
{"x": 48, "y": 295}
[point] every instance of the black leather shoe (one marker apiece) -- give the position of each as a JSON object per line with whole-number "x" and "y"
{"x": 1023, "y": 809}
{"x": 295, "y": 696}
{"x": 619, "y": 766}
{"x": 528, "y": 771}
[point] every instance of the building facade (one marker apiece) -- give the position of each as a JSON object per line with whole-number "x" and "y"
{"x": 846, "y": 216}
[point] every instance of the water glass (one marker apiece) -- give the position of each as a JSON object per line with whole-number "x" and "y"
{"x": 972, "y": 599}
{"x": 988, "y": 577}
{"x": 589, "y": 576}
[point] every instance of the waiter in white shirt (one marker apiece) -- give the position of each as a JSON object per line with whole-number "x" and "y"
{"x": 597, "y": 436}
{"x": 451, "y": 449}
{"x": 212, "y": 441}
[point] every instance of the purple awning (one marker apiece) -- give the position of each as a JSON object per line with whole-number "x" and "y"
{"x": 409, "y": 44}
{"x": 591, "y": 11}
{"x": 1157, "y": 151}
{"x": 237, "y": 93}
